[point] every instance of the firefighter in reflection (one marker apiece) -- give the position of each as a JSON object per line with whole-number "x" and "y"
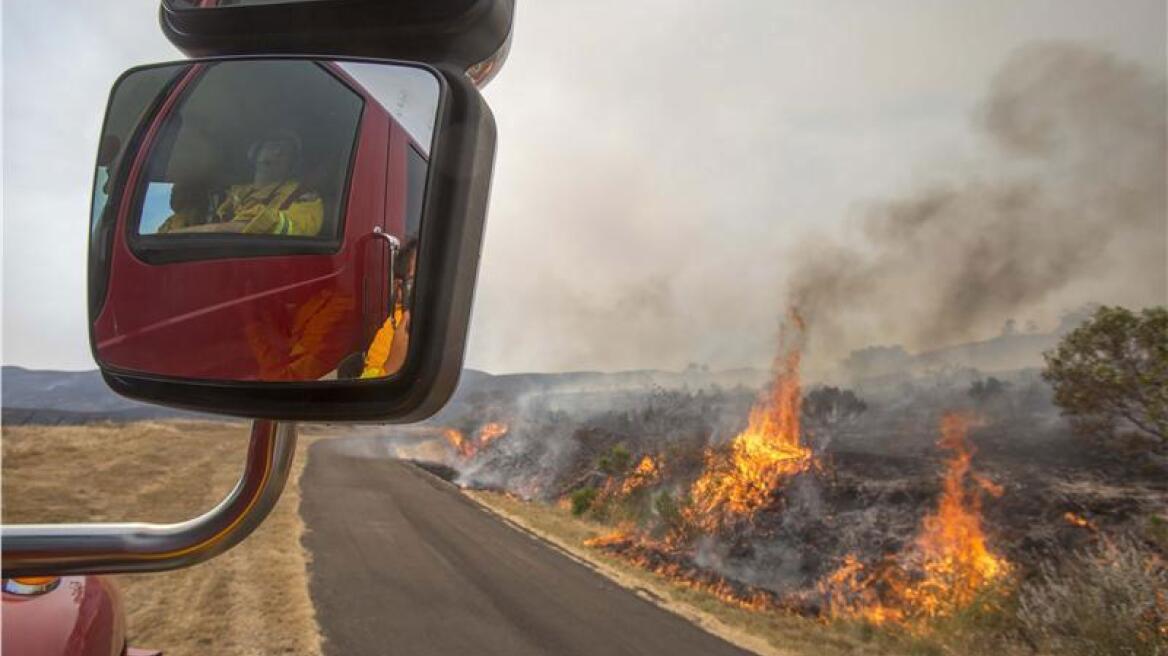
{"x": 274, "y": 203}
{"x": 387, "y": 351}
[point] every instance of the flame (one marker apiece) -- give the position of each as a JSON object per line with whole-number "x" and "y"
{"x": 491, "y": 432}
{"x": 991, "y": 488}
{"x": 645, "y": 473}
{"x": 950, "y": 563}
{"x": 761, "y": 457}
{"x": 467, "y": 448}
{"x": 458, "y": 441}
{"x": 1078, "y": 520}
{"x": 608, "y": 539}
{"x": 646, "y": 468}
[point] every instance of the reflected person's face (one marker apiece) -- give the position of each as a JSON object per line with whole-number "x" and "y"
{"x": 273, "y": 162}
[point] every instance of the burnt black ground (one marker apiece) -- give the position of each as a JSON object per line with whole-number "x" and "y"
{"x": 402, "y": 563}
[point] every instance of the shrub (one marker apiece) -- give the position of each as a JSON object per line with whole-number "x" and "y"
{"x": 832, "y": 405}
{"x": 1156, "y": 530}
{"x": 1108, "y": 599}
{"x": 582, "y": 500}
{"x": 669, "y": 511}
{"x": 983, "y": 391}
{"x": 616, "y": 461}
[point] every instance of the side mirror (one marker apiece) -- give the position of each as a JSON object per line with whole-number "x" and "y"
{"x": 288, "y": 238}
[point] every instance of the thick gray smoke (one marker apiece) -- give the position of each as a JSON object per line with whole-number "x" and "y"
{"x": 1069, "y": 209}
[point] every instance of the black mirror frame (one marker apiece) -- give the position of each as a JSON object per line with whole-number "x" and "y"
{"x": 454, "y": 217}
{"x": 462, "y": 33}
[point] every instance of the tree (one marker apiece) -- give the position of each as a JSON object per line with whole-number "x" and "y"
{"x": 1113, "y": 370}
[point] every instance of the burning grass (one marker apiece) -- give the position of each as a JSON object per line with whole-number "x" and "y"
{"x": 682, "y": 571}
{"x": 949, "y": 566}
{"x": 763, "y": 633}
{"x": 893, "y": 520}
{"x": 1107, "y": 598}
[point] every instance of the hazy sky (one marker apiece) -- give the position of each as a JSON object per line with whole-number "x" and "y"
{"x": 658, "y": 160}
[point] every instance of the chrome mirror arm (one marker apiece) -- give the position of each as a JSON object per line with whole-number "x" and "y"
{"x": 60, "y": 549}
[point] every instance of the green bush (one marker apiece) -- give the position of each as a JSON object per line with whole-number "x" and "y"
{"x": 582, "y": 500}
{"x": 1156, "y": 529}
{"x": 616, "y": 461}
{"x": 668, "y": 510}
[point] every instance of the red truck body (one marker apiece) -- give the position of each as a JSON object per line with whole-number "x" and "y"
{"x": 81, "y": 616}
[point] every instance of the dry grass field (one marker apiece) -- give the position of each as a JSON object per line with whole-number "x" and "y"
{"x": 252, "y": 600}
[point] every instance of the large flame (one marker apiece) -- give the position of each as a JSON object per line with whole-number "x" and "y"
{"x": 950, "y": 563}
{"x": 761, "y": 457}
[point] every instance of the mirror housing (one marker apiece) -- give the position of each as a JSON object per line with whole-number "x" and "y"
{"x": 452, "y": 210}
{"x": 472, "y": 35}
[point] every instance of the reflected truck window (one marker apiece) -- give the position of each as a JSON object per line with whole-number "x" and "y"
{"x": 258, "y": 148}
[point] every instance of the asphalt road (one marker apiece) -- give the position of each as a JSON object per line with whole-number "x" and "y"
{"x": 404, "y": 564}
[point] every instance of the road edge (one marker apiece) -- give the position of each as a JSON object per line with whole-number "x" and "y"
{"x": 579, "y": 554}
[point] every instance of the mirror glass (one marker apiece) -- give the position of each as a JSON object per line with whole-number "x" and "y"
{"x": 258, "y": 219}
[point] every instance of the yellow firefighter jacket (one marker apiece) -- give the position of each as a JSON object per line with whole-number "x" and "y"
{"x": 378, "y": 354}
{"x": 276, "y": 209}
{"x": 282, "y": 208}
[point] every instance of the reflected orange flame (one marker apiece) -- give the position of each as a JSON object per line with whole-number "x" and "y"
{"x": 761, "y": 457}
{"x": 303, "y": 348}
{"x": 950, "y": 563}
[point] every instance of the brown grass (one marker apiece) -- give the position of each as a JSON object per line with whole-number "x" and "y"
{"x": 1111, "y": 598}
{"x": 252, "y": 600}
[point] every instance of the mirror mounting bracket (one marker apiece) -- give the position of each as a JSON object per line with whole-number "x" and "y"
{"x": 394, "y": 249}
{"x": 107, "y": 548}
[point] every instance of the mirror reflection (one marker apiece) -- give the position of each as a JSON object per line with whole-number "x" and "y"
{"x": 267, "y": 222}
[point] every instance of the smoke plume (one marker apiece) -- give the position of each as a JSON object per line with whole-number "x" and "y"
{"x": 1069, "y": 209}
